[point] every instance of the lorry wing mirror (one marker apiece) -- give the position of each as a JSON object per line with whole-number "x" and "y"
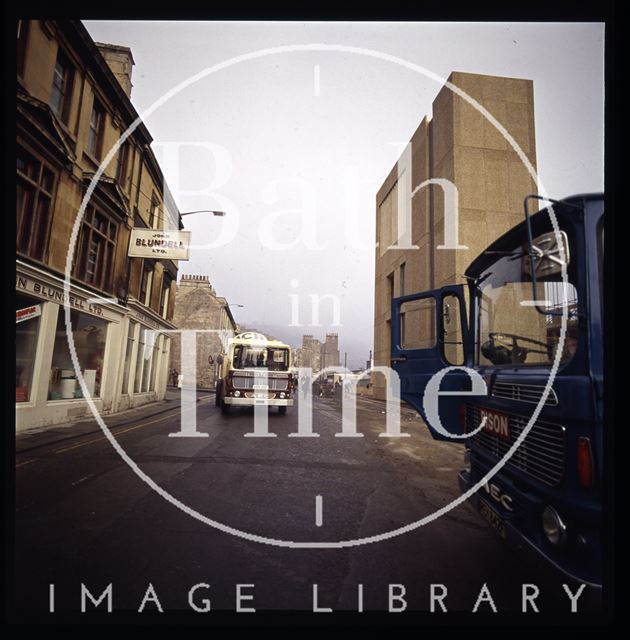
{"x": 550, "y": 255}
{"x": 219, "y": 359}
{"x": 545, "y": 253}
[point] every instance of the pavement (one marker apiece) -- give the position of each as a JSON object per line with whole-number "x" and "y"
{"x": 37, "y": 437}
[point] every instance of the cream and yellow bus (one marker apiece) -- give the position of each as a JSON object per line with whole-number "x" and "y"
{"x": 255, "y": 371}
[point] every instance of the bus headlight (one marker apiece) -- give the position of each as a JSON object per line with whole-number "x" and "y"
{"x": 553, "y": 526}
{"x": 282, "y": 395}
{"x": 237, "y": 394}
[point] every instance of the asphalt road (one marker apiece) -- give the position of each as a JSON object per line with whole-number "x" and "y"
{"x": 84, "y": 517}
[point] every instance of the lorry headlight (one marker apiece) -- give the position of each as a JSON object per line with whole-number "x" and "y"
{"x": 554, "y": 528}
{"x": 237, "y": 394}
{"x": 282, "y": 395}
{"x": 467, "y": 459}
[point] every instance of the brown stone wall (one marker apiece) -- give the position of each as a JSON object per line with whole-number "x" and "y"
{"x": 197, "y": 307}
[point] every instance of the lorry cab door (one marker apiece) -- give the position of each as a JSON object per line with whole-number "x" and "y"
{"x": 430, "y": 331}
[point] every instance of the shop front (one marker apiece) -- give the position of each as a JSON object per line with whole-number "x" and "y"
{"x": 144, "y": 366}
{"x": 122, "y": 353}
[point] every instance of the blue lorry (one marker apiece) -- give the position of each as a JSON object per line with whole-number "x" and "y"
{"x": 528, "y": 321}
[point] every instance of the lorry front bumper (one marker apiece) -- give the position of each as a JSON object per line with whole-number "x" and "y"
{"x": 250, "y": 402}
{"x": 532, "y": 554}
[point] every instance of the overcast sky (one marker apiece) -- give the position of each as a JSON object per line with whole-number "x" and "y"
{"x": 314, "y": 133}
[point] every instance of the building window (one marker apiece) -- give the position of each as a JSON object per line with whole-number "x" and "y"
{"x": 22, "y": 35}
{"x": 89, "y": 334}
{"x": 402, "y": 279}
{"x": 154, "y": 214}
{"x": 95, "y": 133}
{"x": 61, "y": 91}
{"x": 128, "y": 353}
{"x": 121, "y": 166}
{"x": 94, "y": 259}
{"x": 390, "y": 289}
{"x": 35, "y": 188}
{"x": 28, "y": 312}
{"x": 164, "y": 297}
{"x": 146, "y": 284}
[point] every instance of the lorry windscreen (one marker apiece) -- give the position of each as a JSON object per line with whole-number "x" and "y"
{"x": 273, "y": 359}
{"x": 511, "y": 329}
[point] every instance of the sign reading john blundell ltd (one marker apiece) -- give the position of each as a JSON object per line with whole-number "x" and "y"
{"x": 153, "y": 243}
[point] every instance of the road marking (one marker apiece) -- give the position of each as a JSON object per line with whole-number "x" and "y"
{"x": 318, "y": 511}
{"x": 80, "y": 480}
{"x": 21, "y": 464}
{"x": 316, "y": 81}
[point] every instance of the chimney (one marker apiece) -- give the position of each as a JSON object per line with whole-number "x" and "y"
{"x": 120, "y": 61}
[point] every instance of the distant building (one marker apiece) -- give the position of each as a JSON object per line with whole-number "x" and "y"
{"x": 198, "y": 307}
{"x": 73, "y": 105}
{"x": 317, "y": 355}
{"x": 330, "y": 351}
{"x": 458, "y": 144}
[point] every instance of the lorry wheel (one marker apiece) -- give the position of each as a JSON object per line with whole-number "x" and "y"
{"x": 282, "y": 410}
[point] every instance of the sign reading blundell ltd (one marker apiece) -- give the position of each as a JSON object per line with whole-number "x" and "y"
{"x": 154, "y": 243}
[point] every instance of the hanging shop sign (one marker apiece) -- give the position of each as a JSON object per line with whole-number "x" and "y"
{"x": 154, "y": 243}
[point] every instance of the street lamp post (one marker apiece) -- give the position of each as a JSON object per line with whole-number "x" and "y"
{"x": 125, "y": 293}
{"x": 219, "y": 214}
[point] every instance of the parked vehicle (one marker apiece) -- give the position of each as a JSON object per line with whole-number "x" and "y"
{"x": 536, "y": 340}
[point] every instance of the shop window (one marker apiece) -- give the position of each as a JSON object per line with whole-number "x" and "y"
{"x": 128, "y": 353}
{"x": 35, "y": 188}
{"x": 139, "y": 360}
{"x": 28, "y": 312}
{"x": 150, "y": 350}
{"x": 95, "y": 253}
{"x": 61, "y": 91}
{"x": 154, "y": 360}
{"x": 90, "y": 335}
{"x": 95, "y": 132}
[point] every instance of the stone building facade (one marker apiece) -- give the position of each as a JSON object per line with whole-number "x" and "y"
{"x": 458, "y": 144}
{"x": 199, "y": 308}
{"x": 71, "y": 110}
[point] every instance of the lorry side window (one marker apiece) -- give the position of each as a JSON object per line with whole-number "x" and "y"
{"x": 452, "y": 337}
{"x": 417, "y": 324}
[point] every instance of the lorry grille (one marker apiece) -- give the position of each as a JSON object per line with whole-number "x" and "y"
{"x": 244, "y": 382}
{"x": 541, "y": 454}
{"x": 524, "y": 392}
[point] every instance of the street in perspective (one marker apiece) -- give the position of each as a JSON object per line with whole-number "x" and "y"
{"x": 330, "y": 343}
